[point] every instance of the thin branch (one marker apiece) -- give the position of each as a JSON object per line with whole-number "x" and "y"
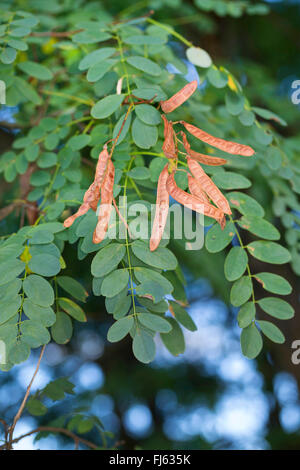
{"x": 53, "y": 429}
{"x": 23, "y": 404}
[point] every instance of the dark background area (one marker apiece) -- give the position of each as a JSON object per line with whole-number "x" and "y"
{"x": 211, "y": 397}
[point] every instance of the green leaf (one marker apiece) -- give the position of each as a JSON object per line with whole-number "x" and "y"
{"x": 47, "y": 159}
{"x": 251, "y": 341}
{"x": 270, "y": 252}
{"x": 8, "y": 55}
{"x": 271, "y": 331}
{"x": 27, "y": 91}
{"x": 62, "y": 329}
{"x": 198, "y": 56}
{"x": 235, "y": 263}
{"x": 266, "y": 114}
{"x": 78, "y": 142}
{"x": 278, "y": 308}
{"x": 146, "y": 65}
{"x": 45, "y": 265}
{"x": 139, "y": 173}
{"x": 217, "y": 77}
{"x": 144, "y": 40}
{"x": 10, "y": 269}
{"x": 73, "y": 287}
{"x": 38, "y": 290}
{"x": 107, "y": 259}
{"x": 99, "y": 69}
{"x": 241, "y": 291}
{"x": 8, "y": 308}
{"x": 234, "y": 102}
{"x": 247, "y": 118}
{"x": 34, "y": 334}
{"x": 230, "y": 180}
{"x": 35, "y": 70}
{"x": 17, "y": 44}
{"x": 154, "y": 322}
{"x": 245, "y": 204}
{"x": 174, "y": 340}
{"x": 40, "y": 178}
{"x": 162, "y": 258}
{"x": 274, "y": 283}
{"x": 119, "y": 304}
{"x": 148, "y": 114}
{"x": 115, "y": 282}
{"x": 120, "y": 329}
{"x": 95, "y": 57}
{"x": 36, "y": 407}
{"x": 217, "y": 239}
{"x": 107, "y": 106}
{"x": 143, "y": 346}
{"x": 58, "y": 389}
{"x": 90, "y": 37}
{"x": 144, "y": 136}
{"x": 182, "y": 316}
{"x": 44, "y": 315}
{"x": 125, "y": 128}
{"x": 246, "y": 315}
{"x": 145, "y": 275}
{"x": 260, "y": 227}
{"x": 19, "y": 352}
{"x": 72, "y": 309}
{"x": 152, "y": 289}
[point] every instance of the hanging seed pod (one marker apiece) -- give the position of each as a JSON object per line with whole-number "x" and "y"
{"x": 168, "y": 145}
{"x": 196, "y": 190}
{"x": 225, "y": 145}
{"x": 81, "y": 211}
{"x": 207, "y": 185}
{"x": 106, "y": 204}
{"x": 179, "y": 98}
{"x": 200, "y": 157}
{"x": 193, "y": 202}
{"x": 161, "y": 211}
{"x": 101, "y": 165}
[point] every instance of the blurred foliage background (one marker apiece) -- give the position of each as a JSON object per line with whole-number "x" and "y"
{"x": 212, "y": 397}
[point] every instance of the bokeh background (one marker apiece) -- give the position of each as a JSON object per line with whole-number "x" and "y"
{"x": 211, "y": 397}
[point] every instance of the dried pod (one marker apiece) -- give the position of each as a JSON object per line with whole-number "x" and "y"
{"x": 196, "y": 190}
{"x": 161, "y": 211}
{"x": 101, "y": 165}
{"x": 200, "y": 157}
{"x": 81, "y": 211}
{"x": 106, "y": 204}
{"x": 168, "y": 145}
{"x": 193, "y": 202}
{"x": 225, "y": 145}
{"x": 207, "y": 185}
{"x": 179, "y": 98}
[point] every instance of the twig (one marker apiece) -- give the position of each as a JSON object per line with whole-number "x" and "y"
{"x": 73, "y": 436}
{"x": 22, "y": 406}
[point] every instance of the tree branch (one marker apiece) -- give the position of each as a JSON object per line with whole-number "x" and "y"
{"x": 23, "y": 404}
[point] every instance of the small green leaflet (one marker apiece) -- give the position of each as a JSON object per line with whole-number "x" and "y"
{"x": 251, "y": 341}
{"x": 274, "y": 283}
{"x": 120, "y": 329}
{"x": 115, "y": 282}
{"x": 271, "y": 331}
{"x": 246, "y": 314}
{"x": 241, "y": 291}
{"x": 276, "y": 307}
{"x": 270, "y": 252}
{"x": 143, "y": 346}
{"x": 154, "y": 322}
{"x": 107, "y": 106}
{"x": 235, "y": 263}
{"x": 107, "y": 259}
{"x": 146, "y": 65}
{"x": 144, "y": 136}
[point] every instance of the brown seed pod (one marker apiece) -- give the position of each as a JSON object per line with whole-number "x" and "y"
{"x": 106, "y": 204}
{"x": 168, "y": 145}
{"x": 193, "y": 202}
{"x": 225, "y": 145}
{"x": 179, "y": 98}
{"x": 101, "y": 165}
{"x": 81, "y": 211}
{"x": 200, "y": 157}
{"x": 207, "y": 185}
{"x": 161, "y": 211}
{"x": 196, "y": 190}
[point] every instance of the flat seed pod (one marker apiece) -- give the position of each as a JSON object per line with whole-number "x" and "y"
{"x": 162, "y": 209}
{"x": 193, "y": 202}
{"x": 168, "y": 145}
{"x": 200, "y": 157}
{"x": 179, "y": 98}
{"x": 208, "y": 186}
{"x": 225, "y": 145}
{"x": 106, "y": 204}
